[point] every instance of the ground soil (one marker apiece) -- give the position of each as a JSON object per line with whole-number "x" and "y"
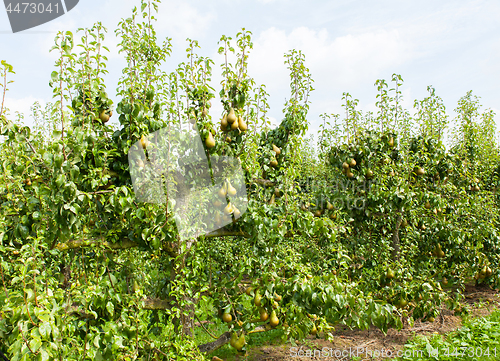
{"x": 480, "y": 300}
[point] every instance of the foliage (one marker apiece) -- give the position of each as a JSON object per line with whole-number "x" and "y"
{"x": 376, "y": 224}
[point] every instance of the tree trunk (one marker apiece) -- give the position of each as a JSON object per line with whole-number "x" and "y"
{"x": 395, "y": 238}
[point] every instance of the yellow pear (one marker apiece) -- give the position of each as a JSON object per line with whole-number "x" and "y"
{"x": 391, "y": 142}
{"x": 223, "y": 123}
{"x": 229, "y": 209}
{"x": 222, "y": 192}
{"x": 218, "y": 220}
{"x": 230, "y": 189}
{"x": 240, "y": 343}
{"x": 263, "y": 315}
{"x": 234, "y": 126}
{"x": 276, "y": 150}
{"x": 234, "y": 339}
{"x": 274, "y": 321}
{"x": 236, "y": 212}
{"x": 210, "y": 141}
{"x": 329, "y": 206}
{"x": 242, "y": 125}
{"x": 144, "y": 142}
{"x": 231, "y": 117}
{"x": 257, "y": 299}
{"x": 274, "y": 163}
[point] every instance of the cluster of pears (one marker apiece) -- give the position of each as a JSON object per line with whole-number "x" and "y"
{"x": 231, "y": 121}
{"x": 438, "y": 252}
{"x": 237, "y": 342}
{"x": 346, "y": 167}
{"x": 277, "y": 151}
{"x": 227, "y": 189}
{"x": 263, "y": 314}
{"x": 105, "y": 114}
{"x": 485, "y": 272}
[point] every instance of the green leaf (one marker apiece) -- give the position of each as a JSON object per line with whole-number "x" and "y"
{"x": 110, "y": 308}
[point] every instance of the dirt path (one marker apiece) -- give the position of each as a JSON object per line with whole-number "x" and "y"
{"x": 365, "y": 344}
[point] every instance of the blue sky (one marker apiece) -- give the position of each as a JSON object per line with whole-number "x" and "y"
{"x": 451, "y": 45}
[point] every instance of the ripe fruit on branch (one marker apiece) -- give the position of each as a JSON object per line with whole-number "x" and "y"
{"x": 144, "y": 142}
{"x": 104, "y": 115}
{"x": 345, "y": 166}
{"x": 352, "y": 163}
{"x": 226, "y": 317}
{"x": 229, "y": 209}
{"x": 314, "y": 330}
{"x": 257, "y": 299}
{"x": 274, "y": 321}
{"x": 391, "y": 142}
{"x": 276, "y": 150}
{"x": 389, "y": 274}
{"x": 249, "y": 290}
{"x": 427, "y": 205}
{"x": 349, "y": 174}
{"x": 369, "y": 173}
{"x": 210, "y": 141}
{"x": 230, "y": 189}
{"x": 274, "y": 163}
{"x": 419, "y": 171}
{"x": 234, "y": 126}
{"x": 329, "y": 206}
{"x": 231, "y": 117}
{"x": 223, "y": 123}
{"x": 241, "y": 124}
{"x": 263, "y": 314}
{"x": 223, "y": 191}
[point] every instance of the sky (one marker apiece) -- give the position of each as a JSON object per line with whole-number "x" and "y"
{"x": 453, "y": 46}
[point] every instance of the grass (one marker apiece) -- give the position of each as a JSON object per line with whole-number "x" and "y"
{"x": 477, "y": 339}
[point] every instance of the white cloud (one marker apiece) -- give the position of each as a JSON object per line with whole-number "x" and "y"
{"x": 23, "y": 106}
{"x": 345, "y": 60}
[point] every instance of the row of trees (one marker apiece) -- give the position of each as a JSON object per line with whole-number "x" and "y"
{"x": 376, "y": 224}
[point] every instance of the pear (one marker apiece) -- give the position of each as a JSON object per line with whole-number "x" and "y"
{"x": 226, "y": 317}
{"x": 222, "y": 192}
{"x": 234, "y": 339}
{"x": 274, "y": 321}
{"x": 210, "y": 141}
{"x": 218, "y": 220}
{"x": 274, "y": 163}
{"x": 263, "y": 315}
{"x": 223, "y": 123}
{"x": 352, "y": 163}
{"x": 369, "y": 173}
{"x": 349, "y": 174}
{"x": 144, "y": 142}
{"x": 314, "y": 330}
{"x": 241, "y": 124}
{"x": 427, "y": 205}
{"x": 257, "y": 299}
{"x": 240, "y": 343}
{"x": 230, "y": 189}
{"x": 391, "y": 142}
{"x": 329, "y": 206}
{"x": 204, "y": 112}
{"x": 228, "y": 139}
{"x": 236, "y": 212}
{"x": 231, "y": 117}
{"x": 345, "y": 166}
{"x": 277, "y": 297}
{"x": 234, "y": 126}
{"x": 229, "y": 209}
{"x": 249, "y": 291}
{"x": 276, "y": 150}
{"x": 217, "y": 203}
{"x": 104, "y": 116}
{"x": 420, "y": 171}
